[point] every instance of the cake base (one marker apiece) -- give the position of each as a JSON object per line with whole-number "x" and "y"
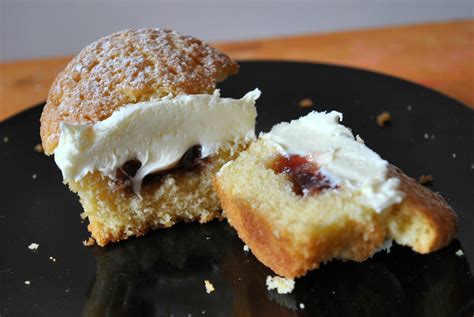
{"x": 293, "y": 234}
{"x": 115, "y": 212}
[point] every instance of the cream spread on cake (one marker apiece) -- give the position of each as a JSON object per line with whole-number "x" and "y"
{"x": 342, "y": 158}
{"x": 157, "y": 133}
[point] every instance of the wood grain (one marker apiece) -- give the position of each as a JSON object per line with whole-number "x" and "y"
{"x": 437, "y": 55}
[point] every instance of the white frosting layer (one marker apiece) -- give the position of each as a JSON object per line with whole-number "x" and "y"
{"x": 344, "y": 159}
{"x": 157, "y": 133}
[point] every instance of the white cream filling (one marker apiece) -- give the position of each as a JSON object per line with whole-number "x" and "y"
{"x": 157, "y": 133}
{"x": 344, "y": 159}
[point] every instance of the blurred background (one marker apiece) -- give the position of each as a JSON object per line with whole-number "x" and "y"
{"x": 430, "y": 42}
{"x": 42, "y": 28}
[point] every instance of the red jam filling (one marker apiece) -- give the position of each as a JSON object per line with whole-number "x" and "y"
{"x": 303, "y": 173}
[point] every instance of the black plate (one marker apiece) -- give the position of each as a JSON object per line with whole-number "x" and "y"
{"x": 163, "y": 273}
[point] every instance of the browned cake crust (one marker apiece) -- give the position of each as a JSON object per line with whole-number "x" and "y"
{"x": 279, "y": 253}
{"x": 423, "y": 221}
{"x": 422, "y": 203}
{"x": 128, "y": 67}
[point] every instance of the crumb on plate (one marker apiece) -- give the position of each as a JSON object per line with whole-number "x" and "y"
{"x": 209, "y": 287}
{"x": 383, "y": 119}
{"x": 27, "y": 282}
{"x": 246, "y": 248}
{"x": 34, "y": 176}
{"x": 425, "y": 179}
{"x": 39, "y": 148}
{"x": 459, "y": 252}
{"x": 281, "y": 284}
{"x": 301, "y": 306}
{"x": 306, "y": 103}
{"x": 52, "y": 259}
{"x": 33, "y": 246}
{"x": 88, "y": 242}
{"x": 5, "y": 139}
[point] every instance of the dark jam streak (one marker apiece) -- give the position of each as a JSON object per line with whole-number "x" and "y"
{"x": 189, "y": 161}
{"x": 190, "y": 158}
{"x": 303, "y": 173}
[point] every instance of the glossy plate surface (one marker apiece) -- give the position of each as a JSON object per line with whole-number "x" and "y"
{"x": 163, "y": 273}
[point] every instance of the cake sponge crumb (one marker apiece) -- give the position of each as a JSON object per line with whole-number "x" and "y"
{"x": 425, "y": 179}
{"x": 459, "y": 252}
{"x": 39, "y": 148}
{"x": 384, "y": 118}
{"x": 209, "y": 287}
{"x": 281, "y": 284}
{"x": 88, "y": 242}
{"x": 33, "y": 246}
{"x": 306, "y": 103}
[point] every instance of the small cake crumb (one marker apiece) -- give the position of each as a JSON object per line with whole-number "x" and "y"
{"x": 34, "y": 176}
{"x": 27, "y": 282}
{"x": 425, "y": 179}
{"x": 306, "y": 103}
{"x": 208, "y": 238}
{"x": 383, "y": 119}
{"x": 301, "y": 306}
{"x": 454, "y": 155}
{"x": 409, "y": 108}
{"x": 39, "y": 148}
{"x": 426, "y": 136}
{"x": 52, "y": 259}
{"x": 246, "y": 248}
{"x": 459, "y": 252}
{"x": 209, "y": 287}
{"x": 88, "y": 242}
{"x": 281, "y": 284}
{"x": 33, "y": 246}
{"x": 5, "y": 139}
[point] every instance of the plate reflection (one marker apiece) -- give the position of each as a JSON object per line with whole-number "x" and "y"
{"x": 163, "y": 273}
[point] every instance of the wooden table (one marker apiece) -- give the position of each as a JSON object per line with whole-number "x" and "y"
{"x": 437, "y": 55}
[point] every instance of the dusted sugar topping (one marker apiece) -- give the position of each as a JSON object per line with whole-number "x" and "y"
{"x": 128, "y": 67}
{"x": 320, "y": 138}
{"x": 158, "y": 134}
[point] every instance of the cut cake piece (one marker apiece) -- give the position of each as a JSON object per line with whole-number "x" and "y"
{"x": 138, "y": 130}
{"x": 308, "y": 192}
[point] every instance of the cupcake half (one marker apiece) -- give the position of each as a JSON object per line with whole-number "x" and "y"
{"x": 138, "y": 130}
{"x": 309, "y": 191}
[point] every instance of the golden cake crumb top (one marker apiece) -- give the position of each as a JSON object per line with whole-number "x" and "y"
{"x": 128, "y": 67}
